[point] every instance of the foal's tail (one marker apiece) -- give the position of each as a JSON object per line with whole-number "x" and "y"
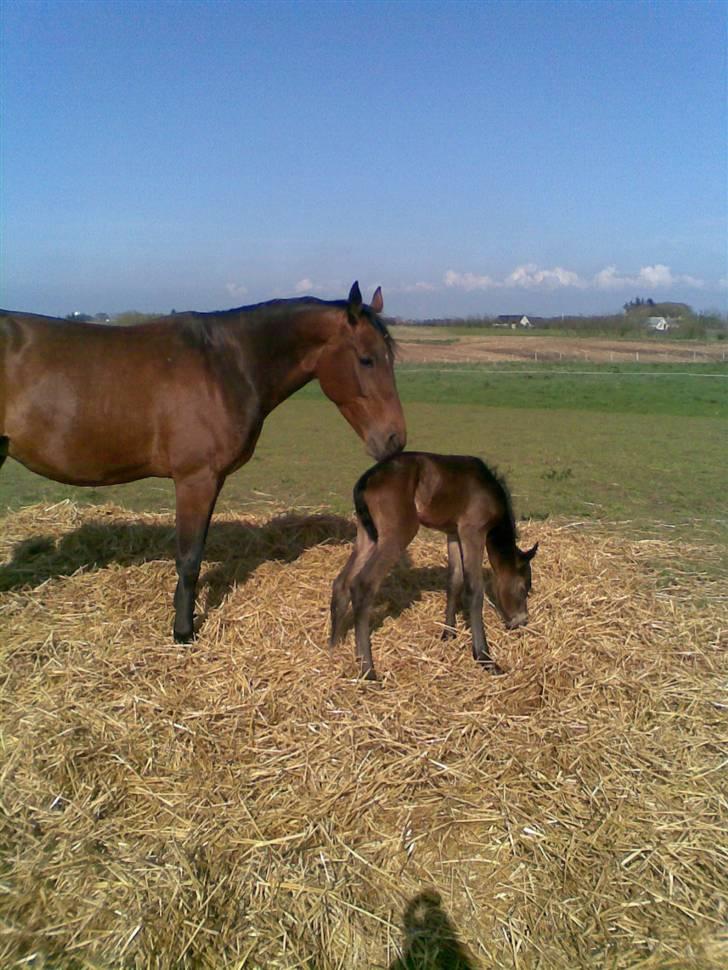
{"x": 362, "y": 509}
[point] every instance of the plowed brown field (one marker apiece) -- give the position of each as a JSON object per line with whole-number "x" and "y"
{"x": 418, "y": 346}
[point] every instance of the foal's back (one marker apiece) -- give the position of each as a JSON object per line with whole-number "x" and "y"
{"x": 443, "y": 492}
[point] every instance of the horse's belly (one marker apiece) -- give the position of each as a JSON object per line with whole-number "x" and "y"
{"x": 80, "y": 463}
{"x": 59, "y": 434}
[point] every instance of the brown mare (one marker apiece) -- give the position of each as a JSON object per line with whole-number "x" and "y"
{"x": 184, "y": 397}
{"x": 455, "y": 494}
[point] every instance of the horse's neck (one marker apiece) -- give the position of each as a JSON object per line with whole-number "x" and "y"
{"x": 285, "y": 352}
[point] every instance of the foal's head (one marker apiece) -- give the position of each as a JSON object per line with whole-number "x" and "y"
{"x": 356, "y": 371}
{"x": 513, "y": 584}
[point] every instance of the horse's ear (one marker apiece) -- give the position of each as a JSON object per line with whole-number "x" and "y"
{"x": 530, "y": 553}
{"x": 355, "y": 300}
{"x": 377, "y": 303}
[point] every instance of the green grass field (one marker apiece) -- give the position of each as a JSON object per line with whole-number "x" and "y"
{"x": 643, "y": 446}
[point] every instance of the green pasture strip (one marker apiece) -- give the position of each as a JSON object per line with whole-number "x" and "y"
{"x": 643, "y": 471}
{"x": 699, "y": 390}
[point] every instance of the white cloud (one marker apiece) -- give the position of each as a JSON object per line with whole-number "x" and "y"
{"x": 236, "y": 289}
{"x": 657, "y": 275}
{"x": 527, "y": 276}
{"x": 468, "y": 281}
{"x": 654, "y": 277}
{"x": 531, "y": 277}
{"x": 609, "y": 279}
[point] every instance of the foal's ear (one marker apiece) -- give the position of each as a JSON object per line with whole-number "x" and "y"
{"x": 377, "y": 303}
{"x": 355, "y": 300}
{"x": 530, "y": 553}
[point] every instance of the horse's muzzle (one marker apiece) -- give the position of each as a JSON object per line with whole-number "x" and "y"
{"x": 520, "y": 619}
{"x": 386, "y": 447}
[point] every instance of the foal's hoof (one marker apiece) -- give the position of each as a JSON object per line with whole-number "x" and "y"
{"x": 370, "y": 675}
{"x": 184, "y": 637}
{"x": 448, "y": 633}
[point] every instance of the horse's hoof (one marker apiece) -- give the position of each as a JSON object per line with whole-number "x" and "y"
{"x": 491, "y": 667}
{"x": 184, "y": 637}
{"x": 370, "y": 675}
{"x": 448, "y": 633}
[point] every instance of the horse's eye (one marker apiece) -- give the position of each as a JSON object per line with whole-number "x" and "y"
{"x": 366, "y": 361}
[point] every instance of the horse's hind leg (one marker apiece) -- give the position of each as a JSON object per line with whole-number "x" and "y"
{"x": 454, "y": 584}
{"x": 473, "y": 545}
{"x": 196, "y": 497}
{"x": 341, "y": 590}
{"x": 4, "y": 448}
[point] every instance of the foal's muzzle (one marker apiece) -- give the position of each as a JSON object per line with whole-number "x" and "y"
{"x": 520, "y": 619}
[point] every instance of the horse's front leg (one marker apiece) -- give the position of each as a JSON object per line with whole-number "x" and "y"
{"x": 196, "y": 496}
{"x": 473, "y": 545}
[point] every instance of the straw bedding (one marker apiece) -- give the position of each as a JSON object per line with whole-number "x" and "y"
{"x": 244, "y": 802}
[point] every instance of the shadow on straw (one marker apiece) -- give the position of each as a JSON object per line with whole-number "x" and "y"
{"x": 431, "y": 941}
{"x": 235, "y": 549}
{"x": 405, "y": 585}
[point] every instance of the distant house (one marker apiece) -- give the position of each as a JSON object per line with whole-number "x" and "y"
{"x": 658, "y": 324}
{"x": 513, "y": 321}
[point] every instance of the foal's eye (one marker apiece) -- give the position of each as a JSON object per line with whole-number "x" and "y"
{"x": 366, "y": 361}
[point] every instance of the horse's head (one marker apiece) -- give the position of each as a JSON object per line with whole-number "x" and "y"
{"x": 512, "y": 588}
{"x": 356, "y": 371}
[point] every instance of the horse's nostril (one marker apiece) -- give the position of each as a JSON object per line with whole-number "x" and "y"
{"x": 394, "y": 444}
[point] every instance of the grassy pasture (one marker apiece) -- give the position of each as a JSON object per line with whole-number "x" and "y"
{"x": 642, "y": 445}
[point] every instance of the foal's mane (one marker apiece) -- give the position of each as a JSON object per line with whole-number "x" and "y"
{"x": 493, "y": 477}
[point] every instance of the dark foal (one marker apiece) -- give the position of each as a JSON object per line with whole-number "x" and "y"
{"x": 457, "y": 495}
{"x": 185, "y": 396}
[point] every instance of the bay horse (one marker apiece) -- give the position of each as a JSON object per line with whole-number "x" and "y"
{"x": 185, "y": 396}
{"x": 455, "y": 494}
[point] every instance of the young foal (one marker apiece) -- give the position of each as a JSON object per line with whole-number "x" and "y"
{"x": 457, "y": 495}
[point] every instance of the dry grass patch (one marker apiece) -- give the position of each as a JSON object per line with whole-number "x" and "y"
{"x": 245, "y": 803}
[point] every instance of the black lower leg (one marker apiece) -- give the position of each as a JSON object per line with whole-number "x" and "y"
{"x": 195, "y": 503}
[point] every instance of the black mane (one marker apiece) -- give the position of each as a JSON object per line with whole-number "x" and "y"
{"x": 293, "y": 303}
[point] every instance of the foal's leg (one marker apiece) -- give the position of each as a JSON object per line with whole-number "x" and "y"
{"x": 473, "y": 545}
{"x": 366, "y": 582}
{"x": 196, "y": 498}
{"x": 454, "y": 585}
{"x": 341, "y": 590}
{"x": 364, "y": 588}
{"x": 4, "y": 448}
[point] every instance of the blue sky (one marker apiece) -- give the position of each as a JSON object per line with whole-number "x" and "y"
{"x": 471, "y": 158}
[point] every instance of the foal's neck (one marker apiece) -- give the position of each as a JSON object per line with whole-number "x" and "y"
{"x": 501, "y": 543}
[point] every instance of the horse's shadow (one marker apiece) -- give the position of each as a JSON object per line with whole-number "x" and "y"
{"x": 405, "y": 585}
{"x": 234, "y": 550}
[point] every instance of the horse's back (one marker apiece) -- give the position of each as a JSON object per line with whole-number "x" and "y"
{"x": 93, "y": 404}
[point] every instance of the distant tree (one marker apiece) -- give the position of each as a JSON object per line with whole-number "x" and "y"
{"x": 79, "y": 317}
